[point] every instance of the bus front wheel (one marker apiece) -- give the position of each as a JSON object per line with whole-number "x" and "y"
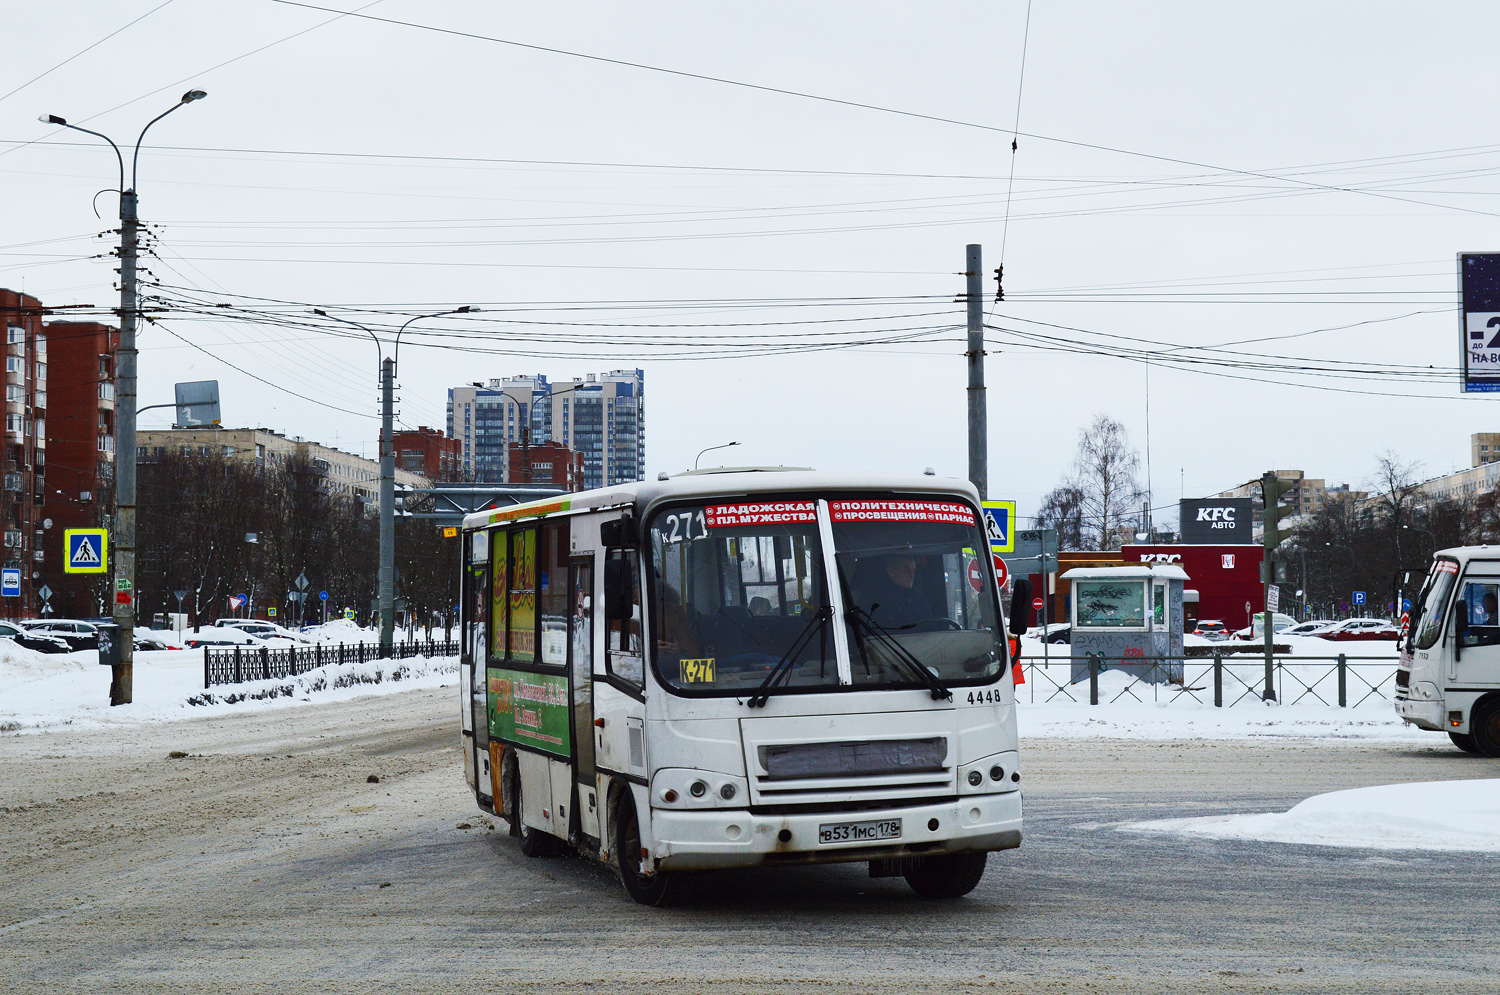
{"x": 1484, "y": 727}
{"x": 1464, "y": 741}
{"x": 656, "y": 889}
{"x": 945, "y": 875}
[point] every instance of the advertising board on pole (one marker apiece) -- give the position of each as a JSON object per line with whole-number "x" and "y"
{"x": 1479, "y": 321}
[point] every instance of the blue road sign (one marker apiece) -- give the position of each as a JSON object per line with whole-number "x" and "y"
{"x": 1406, "y": 604}
{"x": 1359, "y": 597}
{"x": 322, "y": 595}
{"x": 1000, "y": 525}
{"x": 10, "y": 582}
{"x": 87, "y": 551}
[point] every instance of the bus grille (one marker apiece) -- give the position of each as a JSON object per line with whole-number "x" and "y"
{"x": 852, "y": 770}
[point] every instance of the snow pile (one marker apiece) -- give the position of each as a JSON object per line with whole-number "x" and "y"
{"x": 341, "y": 630}
{"x": 1433, "y": 815}
{"x": 334, "y": 677}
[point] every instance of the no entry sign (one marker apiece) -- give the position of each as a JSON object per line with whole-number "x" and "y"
{"x": 1037, "y": 603}
{"x": 976, "y": 576}
{"x": 1001, "y": 575}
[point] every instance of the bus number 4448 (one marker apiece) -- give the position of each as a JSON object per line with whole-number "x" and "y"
{"x": 990, "y": 697}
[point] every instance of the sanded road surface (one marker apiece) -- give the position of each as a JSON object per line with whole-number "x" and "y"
{"x": 265, "y": 861}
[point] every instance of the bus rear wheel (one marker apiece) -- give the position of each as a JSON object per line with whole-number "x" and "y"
{"x": 1484, "y": 727}
{"x": 533, "y": 842}
{"x": 1464, "y": 741}
{"x": 945, "y": 875}
{"x": 654, "y": 890}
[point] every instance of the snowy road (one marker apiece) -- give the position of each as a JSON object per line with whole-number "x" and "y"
{"x": 266, "y": 862}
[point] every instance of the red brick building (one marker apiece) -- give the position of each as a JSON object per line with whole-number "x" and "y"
{"x": 23, "y": 480}
{"x": 547, "y": 463}
{"x": 81, "y": 450}
{"x": 428, "y": 452}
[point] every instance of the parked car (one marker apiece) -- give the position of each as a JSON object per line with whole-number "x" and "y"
{"x": 219, "y": 635}
{"x": 1257, "y": 627}
{"x": 1211, "y": 628}
{"x": 1056, "y": 632}
{"x": 1361, "y": 629}
{"x": 77, "y": 634}
{"x": 150, "y": 640}
{"x": 262, "y": 630}
{"x": 1311, "y": 628}
{"x": 33, "y": 640}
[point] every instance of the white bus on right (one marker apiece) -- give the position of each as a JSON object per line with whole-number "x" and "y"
{"x": 1448, "y": 679}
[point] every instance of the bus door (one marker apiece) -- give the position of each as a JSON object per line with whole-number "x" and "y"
{"x": 475, "y": 649}
{"x": 581, "y": 690}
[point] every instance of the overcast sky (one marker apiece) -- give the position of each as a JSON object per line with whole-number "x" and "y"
{"x": 1188, "y": 175}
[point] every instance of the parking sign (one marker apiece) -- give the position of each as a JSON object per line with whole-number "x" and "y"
{"x": 1359, "y": 597}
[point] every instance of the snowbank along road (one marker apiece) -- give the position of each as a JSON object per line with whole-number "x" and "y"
{"x": 264, "y": 859}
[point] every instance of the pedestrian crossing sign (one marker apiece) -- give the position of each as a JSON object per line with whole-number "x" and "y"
{"x": 87, "y": 551}
{"x": 1000, "y": 525}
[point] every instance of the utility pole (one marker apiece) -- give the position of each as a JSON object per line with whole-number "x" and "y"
{"x": 387, "y": 510}
{"x": 122, "y": 677}
{"x": 978, "y": 416}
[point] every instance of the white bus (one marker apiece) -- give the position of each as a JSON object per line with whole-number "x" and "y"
{"x": 1448, "y": 678}
{"x": 739, "y": 668}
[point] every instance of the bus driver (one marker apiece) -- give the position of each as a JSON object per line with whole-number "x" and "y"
{"x": 893, "y": 600}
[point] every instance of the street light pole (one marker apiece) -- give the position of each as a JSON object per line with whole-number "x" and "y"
{"x": 386, "y": 575}
{"x": 711, "y": 449}
{"x": 122, "y": 682}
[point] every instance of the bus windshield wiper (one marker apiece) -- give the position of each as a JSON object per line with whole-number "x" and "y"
{"x": 900, "y": 654}
{"x": 783, "y": 668}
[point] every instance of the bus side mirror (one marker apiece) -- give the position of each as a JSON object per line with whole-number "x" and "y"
{"x": 1460, "y": 627}
{"x": 1020, "y": 604}
{"x": 619, "y": 533}
{"x": 617, "y": 590}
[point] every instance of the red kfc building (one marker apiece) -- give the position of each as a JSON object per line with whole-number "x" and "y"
{"x": 1227, "y": 578}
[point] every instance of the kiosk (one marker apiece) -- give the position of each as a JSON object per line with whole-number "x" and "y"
{"x": 1132, "y": 616}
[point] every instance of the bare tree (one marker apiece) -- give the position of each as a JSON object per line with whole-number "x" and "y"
{"x": 1104, "y": 475}
{"x": 1062, "y": 509}
{"x": 1395, "y": 481}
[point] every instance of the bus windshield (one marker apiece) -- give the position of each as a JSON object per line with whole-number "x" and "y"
{"x": 915, "y": 590}
{"x": 1432, "y": 600}
{"x": 739, "y": 590}
{"x": 740, "y": 596}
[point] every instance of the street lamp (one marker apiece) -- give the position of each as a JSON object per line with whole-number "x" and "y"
{"x": 121, "y": 689}
{"x": 711, "y": 449}
{"x": 386, "y": 590}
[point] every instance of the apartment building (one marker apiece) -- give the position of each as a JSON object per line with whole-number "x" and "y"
{"x": 341, "y": 473}
{"x": 602, "y": 417}
{"x": 428, "y": 452}
{"x": 23, "y": 487}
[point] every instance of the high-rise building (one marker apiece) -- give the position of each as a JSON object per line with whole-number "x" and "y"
{"x": 602, "y": 417}
{"x": 23, "y": 485}
{"x": 80, "y": 438}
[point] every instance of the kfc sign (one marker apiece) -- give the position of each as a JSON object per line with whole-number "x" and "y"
{"x": 1215, "y": 521}
{"x": 1161, "y": 557}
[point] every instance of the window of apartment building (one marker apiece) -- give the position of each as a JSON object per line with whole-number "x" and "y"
{"x": 13, "y": 423}
{"x": 103, "y": 421}
{"x": 106, "y": 392}
{"x": 15, "y": 334}
{"x": 41, "y": 371}
{"x": 185, "y": 450}
{"x": 15, "y": 364}
{"x": 15, "y": 392}
{"x": 40, "y": 399}
{"x": 161, "y": 451}
{"x": 228, "y": 450}
{"x": 106, "y": 443}
{"x": 260, "y": 453}
{"x": 41, "y": 343}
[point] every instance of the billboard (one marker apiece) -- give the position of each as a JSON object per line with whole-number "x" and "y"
{"x": 1479, "y": 328}
{"x": 1216, "y": 521}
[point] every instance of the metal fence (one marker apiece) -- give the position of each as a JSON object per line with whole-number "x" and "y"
{"x": 1222, "y": 681}
{"x": 234, "y": 664}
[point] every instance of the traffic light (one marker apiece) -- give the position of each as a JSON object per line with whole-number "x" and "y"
{"x": 1271, "y": 489}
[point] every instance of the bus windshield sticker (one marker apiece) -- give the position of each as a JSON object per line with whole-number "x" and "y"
{"x": 901, "y": 511}
{"x": 697, "y": 671}
{"x": 723, "y": 516}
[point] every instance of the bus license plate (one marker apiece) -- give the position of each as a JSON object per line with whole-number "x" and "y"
{"x": 858, "y": 832}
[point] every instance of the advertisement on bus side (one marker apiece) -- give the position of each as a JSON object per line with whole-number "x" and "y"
{"x": 531, "y": 709}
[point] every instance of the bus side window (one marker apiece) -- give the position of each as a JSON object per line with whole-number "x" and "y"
{"x": 1480, "y": 604}
{"x": 622, "y": 608}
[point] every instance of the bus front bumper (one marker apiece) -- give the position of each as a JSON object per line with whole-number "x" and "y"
{"x": 701, "y": 840}
{"x": 1426, "y": 714}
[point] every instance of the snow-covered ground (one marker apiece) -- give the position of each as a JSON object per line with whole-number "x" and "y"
{"x": 1433, "y": 815}
{"x": 46, "y": 691}
{"x": 39, "y": 691}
